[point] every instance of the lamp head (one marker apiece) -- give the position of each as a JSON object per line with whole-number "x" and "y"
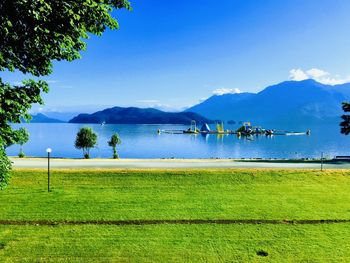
{"x": 48, "y": 150}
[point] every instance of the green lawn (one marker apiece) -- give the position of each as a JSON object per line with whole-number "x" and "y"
{"x": 100, "y": 195}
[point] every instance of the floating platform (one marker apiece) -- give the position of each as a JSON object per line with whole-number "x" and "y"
{"x": 245, "y": 130}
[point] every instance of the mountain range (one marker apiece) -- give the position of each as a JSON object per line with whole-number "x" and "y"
{"x": 132, "y": 115}
{"x": 296, "y": 102}
{"x": 290, "y": 102}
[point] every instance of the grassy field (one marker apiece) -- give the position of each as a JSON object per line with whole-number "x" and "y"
{"x": 97, "y": 198}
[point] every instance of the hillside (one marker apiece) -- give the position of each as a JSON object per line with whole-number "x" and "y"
{"x": 64, "y": 116}
{"x": 41, "y": 118}
{"x": 290, "y": 101}
{"x": 132, "y": 115}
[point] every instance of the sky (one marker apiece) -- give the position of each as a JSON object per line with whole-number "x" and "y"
{"x": 174, "y": 54}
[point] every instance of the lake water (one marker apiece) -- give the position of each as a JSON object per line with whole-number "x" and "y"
{"x": 142, "y": 141}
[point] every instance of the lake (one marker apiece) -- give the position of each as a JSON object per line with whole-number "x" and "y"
{"x": 142, "y": 141}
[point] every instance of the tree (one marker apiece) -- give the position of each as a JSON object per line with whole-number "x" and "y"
{"x": 85, "y": 140}
{"x": 34, "y": 33}
{"x": 113, "y": 142}
{"x": 23, "y": 138}
{"x": 345, "y": 124}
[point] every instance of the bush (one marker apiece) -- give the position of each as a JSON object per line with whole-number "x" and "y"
{"x": 5, "y": 167}
{"x": 113, "y": 142}
{"x": 85, "y": 140}
{"x": 21, "y": 154}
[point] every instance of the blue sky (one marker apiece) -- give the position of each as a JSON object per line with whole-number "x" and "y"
{"x": 174, "y": 53}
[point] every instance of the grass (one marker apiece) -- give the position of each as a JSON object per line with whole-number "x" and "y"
{"x": 209, "y": 194}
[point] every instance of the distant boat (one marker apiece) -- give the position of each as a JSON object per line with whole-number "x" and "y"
{"x": 103, "y": 123}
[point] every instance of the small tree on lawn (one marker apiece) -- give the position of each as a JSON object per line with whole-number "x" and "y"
{"x": 113, "y": 142}
{"x": 85, "y": 140}
{"x": 23, "y": 137}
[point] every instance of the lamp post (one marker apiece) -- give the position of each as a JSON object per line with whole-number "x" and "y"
{"x": 48, "y": 150}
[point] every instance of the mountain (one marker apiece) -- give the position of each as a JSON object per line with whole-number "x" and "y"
{"x": 287, "y": 102}
{"x": 216, "y": 105}
{"x": 41, "y": 118}
{"x": 132, "y": 115}
{"x": 64, "y": 116}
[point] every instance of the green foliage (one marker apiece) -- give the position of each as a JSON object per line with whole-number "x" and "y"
{"x": 113, "y": 142}
{"x": 14, "y": 103}
{"x": 32, "y": 35}
{"x": 22, "y": 139}
{"x": 5, "y": 166}
{"x": 86, "y": 139}
{"x": 23, "y": 136}
{"x": 345, "y": 124}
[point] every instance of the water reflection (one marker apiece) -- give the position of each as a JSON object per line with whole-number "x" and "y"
{"x": 143, "y": 141}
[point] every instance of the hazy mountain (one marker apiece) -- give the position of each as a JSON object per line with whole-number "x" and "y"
{"x": 64, "y": 116}
{"x": 287, "y": 102}
{"x": 132, "y": 115}
{"x": 41, "y": 118}
{"x": 218, "y": 104}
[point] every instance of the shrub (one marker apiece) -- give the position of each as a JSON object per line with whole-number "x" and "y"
{"x": 5, "y": 167}
{"x": 85, "y": 140}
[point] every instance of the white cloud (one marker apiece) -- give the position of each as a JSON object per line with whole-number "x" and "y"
{"x": 319, "y": 75}
{"x": 297, "y": 74}
{"x": 166, "y": 107}
{"x": 156, "y": 104}
{"x": 222, "y": 91}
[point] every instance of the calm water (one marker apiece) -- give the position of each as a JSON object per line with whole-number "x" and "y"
{"x": 142, "y": 141}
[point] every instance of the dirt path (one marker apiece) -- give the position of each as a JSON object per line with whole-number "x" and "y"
{"x": 167, "y": 163}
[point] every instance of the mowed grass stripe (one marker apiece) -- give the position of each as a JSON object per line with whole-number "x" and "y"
{"x": 176, "y": 243}
{"x": 210, "y": 194}
{"x": 175, "y": 222}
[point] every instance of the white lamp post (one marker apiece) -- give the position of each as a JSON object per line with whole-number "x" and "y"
{"x": 48, "y": 150}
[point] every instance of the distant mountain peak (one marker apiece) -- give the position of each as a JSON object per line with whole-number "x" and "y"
{"x": 301, "y": 101}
